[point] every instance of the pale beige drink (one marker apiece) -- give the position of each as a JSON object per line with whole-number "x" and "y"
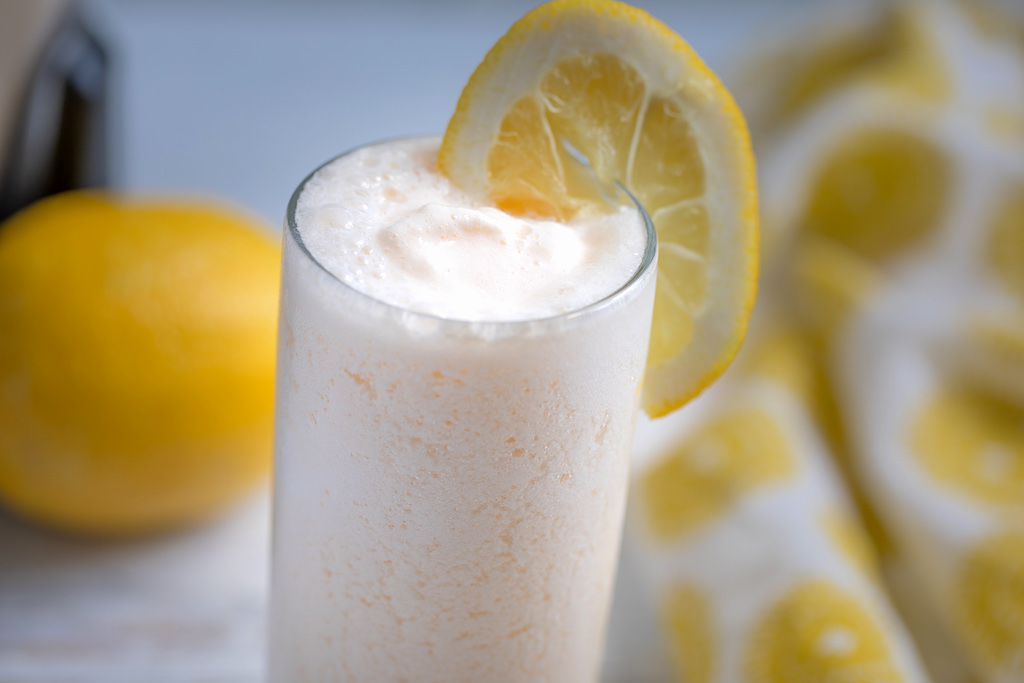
{"x": 448, "y": 491}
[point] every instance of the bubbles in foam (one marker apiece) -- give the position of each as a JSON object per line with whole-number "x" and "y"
{"x": 385, "y": 221}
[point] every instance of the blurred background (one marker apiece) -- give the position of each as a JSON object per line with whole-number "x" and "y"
{"x": 885, "y": 363}
{"x": 242, "y": 99}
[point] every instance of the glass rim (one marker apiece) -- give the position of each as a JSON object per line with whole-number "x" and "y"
{"x": 610, "y": 300}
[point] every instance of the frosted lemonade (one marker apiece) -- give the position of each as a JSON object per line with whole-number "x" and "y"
{"x": 466, "y": 325}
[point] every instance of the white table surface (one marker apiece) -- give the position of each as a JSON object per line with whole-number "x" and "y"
{"x": 239, "y": 100}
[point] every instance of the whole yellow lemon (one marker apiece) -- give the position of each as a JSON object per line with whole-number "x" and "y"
{"x": 136, "y": 361}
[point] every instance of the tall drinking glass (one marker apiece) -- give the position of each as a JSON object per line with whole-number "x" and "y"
{"x": 448, "y": 494}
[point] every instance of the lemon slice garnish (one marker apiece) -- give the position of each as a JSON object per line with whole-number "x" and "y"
{"x": 606, "y": 81}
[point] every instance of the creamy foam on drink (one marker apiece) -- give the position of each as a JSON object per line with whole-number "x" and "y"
{"x": 386, "y": 222}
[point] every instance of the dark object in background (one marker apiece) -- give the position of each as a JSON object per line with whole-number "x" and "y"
{"x": 59, "y": 136}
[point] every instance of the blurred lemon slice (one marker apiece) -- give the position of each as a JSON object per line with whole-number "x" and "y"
{"x": 711, "y": 471}
{"x": 880, "y": 191}
{"x": 687, "y": 616}
{"x": 820, "y": 633}
{"x": 972, "y": 442}
{"x": 607, "y": 82}
{"x": 990, "y": 602}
